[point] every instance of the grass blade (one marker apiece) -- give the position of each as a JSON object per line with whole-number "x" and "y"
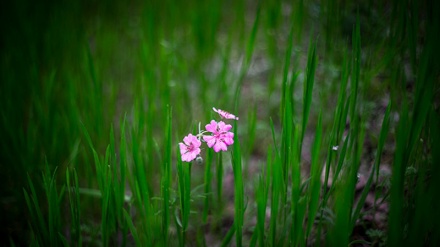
{"x": 166, "y": 180}
{"x": 238, "y": 189}
{"x": 315, "y": 176}
{"x": 132, "y": 228}
{"x": 308, "y": 87}
{"x": 366, "y": 190}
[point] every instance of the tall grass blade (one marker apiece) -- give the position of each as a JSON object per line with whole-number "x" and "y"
{"x": 308, "y": 87}
{"x": 287, "y": 58}
{"x": 382, "y": 138}
{"x": 298, "y": 203}
{"x": 228, "y": 237}
{"x": 432, "y": 215}
{"x": 166, "y": 180}
{"x": 248, "y": 55}
{"x": 208, "y": 181}
{"x": 219, "y": 172}
{"x": 182, "y": 197}
{"x": 261, "y": 197}
{"x": 286, "y": 140}
{"x": 395, "y": 231}
{"x": 355, "y": 73}
{"x": 37, "y": 220}
{"x": 132, "y": 228}
{"x": 276, "y": 189}
{"x": 409, "y": 133}
{"x": 75, "y": 210}
{"x": 315, "y": 178}
{"x": 238, "y": 189}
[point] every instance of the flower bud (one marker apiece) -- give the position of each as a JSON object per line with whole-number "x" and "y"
{"x": 199, "y": 160}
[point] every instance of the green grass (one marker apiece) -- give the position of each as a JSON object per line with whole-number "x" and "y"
{"x": 336, "y": 144}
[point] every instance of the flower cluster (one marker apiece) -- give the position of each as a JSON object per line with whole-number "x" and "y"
{"x": 219, "y": 138}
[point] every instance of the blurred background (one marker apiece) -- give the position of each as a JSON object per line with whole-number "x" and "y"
{"x": 66, "y": 65}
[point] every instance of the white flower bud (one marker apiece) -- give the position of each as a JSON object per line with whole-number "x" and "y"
{"x": 199, "y": 160}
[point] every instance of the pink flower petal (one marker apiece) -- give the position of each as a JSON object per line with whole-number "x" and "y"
{"x": 212, "y": 127}
{"x": 216, "y": 148}
{"x": 191, "y": 156}
{"x": 210, "y": 140}
{"x": 228, "y": 141}
{"x": 225, "y": 114}
{"x": 187, "y": 139}
{"x": 220, "y": 146}
{"x": 183, "y": 148}
{"x": 197, "y": 143}
{"x": 229, "y": 134}
{"x": 224, "y": 127}
{"x": 186, "y": 157}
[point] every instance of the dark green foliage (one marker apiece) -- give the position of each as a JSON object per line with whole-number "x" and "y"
{"x": 95, "y": 97}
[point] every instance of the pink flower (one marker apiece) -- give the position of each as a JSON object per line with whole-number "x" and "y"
{"x": 221, "y": 137}
{"x": 225, "y": 114}
{"x": 190, "y": 148}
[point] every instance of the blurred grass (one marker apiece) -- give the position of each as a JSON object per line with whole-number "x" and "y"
{"x": 96, "y": 95}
